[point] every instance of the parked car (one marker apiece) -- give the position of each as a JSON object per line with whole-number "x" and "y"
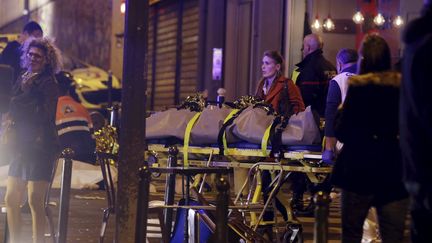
{"x": 91, "y": 84}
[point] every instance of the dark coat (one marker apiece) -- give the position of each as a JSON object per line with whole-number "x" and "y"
{"x": 33, "y": 110}
{"x": 11, "y": 56}
{"x": 281, "y": 101}
{"x": 315, "y": 73}
{"x": 370, "y": 160}
{"x": 416, "y": 104}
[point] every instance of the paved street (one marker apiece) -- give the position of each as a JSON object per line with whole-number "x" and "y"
{"x": 86, "y": 214}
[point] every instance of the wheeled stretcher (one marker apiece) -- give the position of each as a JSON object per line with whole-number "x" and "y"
{"x": 304, "y": 159}
{"x": 250, "y": 138}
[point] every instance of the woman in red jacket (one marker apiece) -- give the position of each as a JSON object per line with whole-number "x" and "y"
{"x": 276, "y": 89}
{"x": 285, "y": 98}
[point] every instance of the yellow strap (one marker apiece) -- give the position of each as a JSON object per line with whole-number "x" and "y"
{"x": 187, "y": 133}
{"x": 225, "y": 145}
{"x": 264, "y": 140}
{"x": 295, "y": 75}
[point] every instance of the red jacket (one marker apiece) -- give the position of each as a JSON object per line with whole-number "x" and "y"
{"x": 275, "y": 97}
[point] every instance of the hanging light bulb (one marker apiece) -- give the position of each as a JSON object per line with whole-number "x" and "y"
{"x": 358, "y": 18}
{"x": 316, "y": 25}
{"x": 398, "y": 21}
{"x": 122, "y": 7}
{"x": 328, "y": 24}
{"x": 379, "y": 19}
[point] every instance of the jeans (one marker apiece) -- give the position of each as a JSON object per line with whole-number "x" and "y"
{"x": 391, "y": 217}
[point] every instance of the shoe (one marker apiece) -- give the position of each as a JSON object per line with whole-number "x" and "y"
{"x": 309, "y": 211}
{"x": 297, "y": 202}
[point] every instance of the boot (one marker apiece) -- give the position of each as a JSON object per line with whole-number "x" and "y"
{"x": 308, "y": 211}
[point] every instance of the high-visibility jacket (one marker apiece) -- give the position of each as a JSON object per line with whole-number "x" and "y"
{"x": 75, "y": 129}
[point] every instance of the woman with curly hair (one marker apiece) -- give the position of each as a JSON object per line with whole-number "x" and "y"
{"x": 34, "y": 148}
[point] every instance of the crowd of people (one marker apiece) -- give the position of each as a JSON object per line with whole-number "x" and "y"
{"x": 377, "y": 127}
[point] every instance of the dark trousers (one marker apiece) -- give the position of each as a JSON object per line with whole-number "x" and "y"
{"x": 391, "y": 217}
{"x": 421, "y": 219}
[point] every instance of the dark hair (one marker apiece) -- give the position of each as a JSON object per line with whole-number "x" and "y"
{"x": 65, "y": 82}
{"x": 276, "y": 56}
{"x": 31, "y": 27}
{"x": 346, "y": 55}
{"x": 374, "y": 55}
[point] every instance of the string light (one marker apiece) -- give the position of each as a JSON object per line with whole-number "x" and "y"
{"x": 328, "y": 24}
{"x": 316, "y": 25}
{"x": 398, "y": 21}
{"x": 123, "y": 7}
{"x": 358, "y": 18}
{"x": 379, "y": 19}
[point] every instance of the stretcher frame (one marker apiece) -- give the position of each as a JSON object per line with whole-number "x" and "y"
{"x": 305, "y": 162}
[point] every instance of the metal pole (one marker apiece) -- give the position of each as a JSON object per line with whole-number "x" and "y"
{"x": 169, "y": 194}
{"x": 132, "y": 135}
{"x": 142, "y": 210}
{"x": 114, "y": 116}
{"x": 186, "y": 226}
{"x": 222, "y": 186}
{"x": 109, "y": 84}
{"x": 322, "y": 201}
{"x": 67, "y": 154}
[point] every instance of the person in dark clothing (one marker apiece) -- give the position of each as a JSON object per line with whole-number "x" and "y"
{"x": 346, "y": 63}
{"x": 35, "y": 145}
{"x": 75, "y": 127}
{"x": 314, "y": 74}
{"x": 368, "y": 169}
{"x": 11, "y": 55}
{"x": 415, "y": 122}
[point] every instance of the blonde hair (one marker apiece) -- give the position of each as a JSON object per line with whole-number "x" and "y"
{"x": 52, "y": 54}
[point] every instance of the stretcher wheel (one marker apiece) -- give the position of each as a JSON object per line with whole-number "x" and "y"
{"x": 293, "y": 234}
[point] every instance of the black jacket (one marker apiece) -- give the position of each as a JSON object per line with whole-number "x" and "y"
{"x": 11, "y": 56}
{"x": 33, "y": 110}
{"x": 315, "y": 73}
{"x": 370, "y": 160}
{"x": 416, "y": 103}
